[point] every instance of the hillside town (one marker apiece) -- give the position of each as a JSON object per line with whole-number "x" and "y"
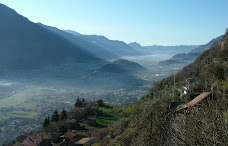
{"x": 68, "y": 126}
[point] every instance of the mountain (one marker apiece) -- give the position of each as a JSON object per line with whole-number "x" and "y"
{"x": 122, "y": 66}
{"x": 72, "y": 32}
{"x": 170, "y": 50}
{"x": 118, "y": 74}
{"x": 135, "y": 45}
{"x": 26, "y": 44}
{"x": 181, "y": 58}
{"x": 192, "y": 55}
{"x": 74, "y": 38}
{"x": 205, "y": 47}
{"x": 119, "y": 48}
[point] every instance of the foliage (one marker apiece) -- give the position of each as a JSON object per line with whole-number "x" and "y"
{"x": 62, "y": 129}
{"x": 55, "y": 116}
{"x": 78, "y": 103}
{"x": 199, "y": 125}
{"x": 63, "y": 115}
{"x": 46, "y": 121}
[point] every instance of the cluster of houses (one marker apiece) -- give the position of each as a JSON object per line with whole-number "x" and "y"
{"x": 69, "y": 138}
{"x": 190, "y": 83}
{"x": 87, "y": 111}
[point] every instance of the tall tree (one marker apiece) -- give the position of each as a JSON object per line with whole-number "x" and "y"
{"x": 48, "y": 120}
{"x": 45, "y": 122}
{"x": 55, "y": 116}
{"x": 78, "y": 103}
{"x": 63, "y": 114}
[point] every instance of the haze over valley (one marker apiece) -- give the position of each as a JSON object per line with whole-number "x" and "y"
{"x": 44, "y": 68}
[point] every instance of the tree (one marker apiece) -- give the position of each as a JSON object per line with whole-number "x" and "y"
{"x": 55, "y": 116}
{"x": 100, "y": 102}
{"x": 46, "y": 121}
{"x": 83, "y": 99}
{"x": 78, "y": 103}
{"x": 62, "y": 129}
{"x": 63, "y": 114}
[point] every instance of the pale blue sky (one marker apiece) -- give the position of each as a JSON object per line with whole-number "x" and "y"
{"x": 149, "y": 22}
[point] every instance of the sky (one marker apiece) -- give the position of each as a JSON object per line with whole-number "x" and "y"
{"x": 148, "y": 22}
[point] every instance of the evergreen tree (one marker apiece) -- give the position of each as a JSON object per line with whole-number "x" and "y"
{"x": 83, "y": 99}
{"x": 48, "y": 120}
{"x": 45, "y": 122}
{"x": 55, "y": 116}
{"x": 78, "y": 103}
{"x": 63, "y": 114}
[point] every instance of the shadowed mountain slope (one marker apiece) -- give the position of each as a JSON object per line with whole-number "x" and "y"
{"x": 119, "y": 48}
{"x": 26, "y": 44}
{"x": 74, "y": 38}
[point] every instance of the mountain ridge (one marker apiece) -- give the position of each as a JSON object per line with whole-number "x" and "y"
{"x": 83, "y": 44}
{"x": 192, "y": 55}
{"x": 34, "y": 45}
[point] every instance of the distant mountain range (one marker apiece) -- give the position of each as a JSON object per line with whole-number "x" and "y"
{"x": 192, "y": 55}
{"x": 26, "y": 44}
{"x": 136, "y": 45}
{"x": 162, "y": 50}
{"x": 170, "y": 50}
{"x": 116, "y": 47}
{"x": 205, "y": 47}
{"x": 120, "y": 48}
{"x": 75, "y": 39}
{"x": 72, "y": 32}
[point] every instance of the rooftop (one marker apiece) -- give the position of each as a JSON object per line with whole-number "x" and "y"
{"x": 84, "y": 140}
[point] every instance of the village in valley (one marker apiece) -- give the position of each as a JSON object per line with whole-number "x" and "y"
{"x": 24, "y": 111}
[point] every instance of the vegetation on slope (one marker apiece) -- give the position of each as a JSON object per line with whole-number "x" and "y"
{"x": 153, "y": 121}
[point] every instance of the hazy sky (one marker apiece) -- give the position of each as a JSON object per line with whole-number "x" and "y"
{"x": 149, "y": 22}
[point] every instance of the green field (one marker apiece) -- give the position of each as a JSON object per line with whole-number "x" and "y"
{"x": 12, "y": 101}
{"x": 23, "y": 98}
{"x": 23, "y": 114}
{"x": 25, "y": 103}
{"x": 1, "y": 116}
{"x": 29, "y": 105}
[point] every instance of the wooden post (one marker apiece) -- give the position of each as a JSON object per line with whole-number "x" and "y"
{"x": 151, "y": 125}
